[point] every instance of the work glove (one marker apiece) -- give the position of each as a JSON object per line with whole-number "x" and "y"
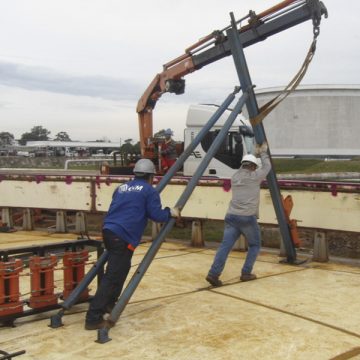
{"x": 175, "y": 212}
{"x": 261, "y": 148}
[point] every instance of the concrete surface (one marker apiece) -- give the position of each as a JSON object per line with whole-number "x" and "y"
{"x": 291, "y": 312}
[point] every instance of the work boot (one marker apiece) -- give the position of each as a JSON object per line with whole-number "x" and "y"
{"x": 99, "y": 325}
{"x": 214, "y": 280}
{"x": 247, "y": 277}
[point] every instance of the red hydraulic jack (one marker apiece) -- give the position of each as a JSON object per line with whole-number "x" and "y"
{"x": 42, "y": 281}
{"x": 9, "y": 287}
{"x": 74, "y": 271}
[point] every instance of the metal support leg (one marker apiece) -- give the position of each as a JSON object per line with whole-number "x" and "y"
{"x": 61, "y": 222}
{"x": 80, "y": 223}
{"x": 321, "y": 247}
{"x": 241, "y": 244}
{"x": 253, "y": 110}
{"x": 6, "y": 217}
{"x": 155, "y": 246}
{"x": 155, "y": 229}
{"x": 197, "y": 234}
{"x": 28, "y": 220}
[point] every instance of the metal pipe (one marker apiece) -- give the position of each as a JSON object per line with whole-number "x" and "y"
{"x": 8, "y": 356}
{"x": 180, "y": 161}
{"x": 75, "y": 294}
{"x": 259, "y": 132}
{"x": 149, "y": 256}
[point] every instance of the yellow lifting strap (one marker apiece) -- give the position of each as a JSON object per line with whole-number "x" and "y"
{"x": 269, "y": 106}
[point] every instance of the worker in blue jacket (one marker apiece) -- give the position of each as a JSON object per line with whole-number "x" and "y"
{"x": 133, "y": 203}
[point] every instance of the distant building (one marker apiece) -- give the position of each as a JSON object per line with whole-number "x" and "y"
{"x": 73, "y": 148}
{"x": 314, "y": 120}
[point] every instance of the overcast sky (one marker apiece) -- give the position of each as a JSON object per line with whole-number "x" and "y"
{"x": 80, "y": 66}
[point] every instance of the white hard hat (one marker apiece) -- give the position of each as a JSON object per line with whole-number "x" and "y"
{"x": 144, "y": 166}
{"x": 249, "y": 158}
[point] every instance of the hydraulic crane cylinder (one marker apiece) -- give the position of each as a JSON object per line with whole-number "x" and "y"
{"x": 10, "y": 287}
{"x": 42, "y": 281}
{"x": 74, "y": 271}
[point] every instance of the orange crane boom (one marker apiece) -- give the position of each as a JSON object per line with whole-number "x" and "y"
{"x": 214, "y": 47}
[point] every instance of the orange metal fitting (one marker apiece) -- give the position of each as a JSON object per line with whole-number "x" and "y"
{"x": 104, "y": 169}
{"x": 288, "y": 206}
{"x": 42, "y": 281}
{"x": 74, "y": 272}
{"x": 9, "y": 287}
{"x": 294, "y": 233}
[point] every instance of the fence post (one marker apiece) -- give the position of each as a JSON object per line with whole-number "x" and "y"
{"x": 197, "y": 233}
{"x": 321, "y": 247}
{"x": 28, "y": 219}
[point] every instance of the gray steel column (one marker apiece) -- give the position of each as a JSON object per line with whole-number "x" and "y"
{"x": 149, "y": 256}
{"x": 259, "y": 132}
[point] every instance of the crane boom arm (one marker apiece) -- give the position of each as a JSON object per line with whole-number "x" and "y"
{"x": 214, "y": 47}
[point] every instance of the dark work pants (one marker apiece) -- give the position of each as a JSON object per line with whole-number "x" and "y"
{"x": 118, "y": 266}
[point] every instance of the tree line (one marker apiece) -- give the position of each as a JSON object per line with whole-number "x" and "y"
{"x": 39, "y": 133}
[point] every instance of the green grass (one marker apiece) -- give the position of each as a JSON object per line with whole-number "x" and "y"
{"x": 74, "y": 166}
{"x": 310, "y": 166}
{"x": 303, "y": 166}
{"x": 299, "y": 166}
{"x": 213, "y": 230}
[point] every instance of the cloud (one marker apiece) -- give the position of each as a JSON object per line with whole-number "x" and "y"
{"x": 44, "y": 79}
{"x": 3, "y": 104}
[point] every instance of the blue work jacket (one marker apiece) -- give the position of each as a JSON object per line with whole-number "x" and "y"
{"x": 133, "y": 203}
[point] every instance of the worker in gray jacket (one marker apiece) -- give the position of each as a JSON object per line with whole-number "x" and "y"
{"x": 242, "y": 214}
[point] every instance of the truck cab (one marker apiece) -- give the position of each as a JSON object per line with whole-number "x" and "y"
{"x": 239, "y": 142}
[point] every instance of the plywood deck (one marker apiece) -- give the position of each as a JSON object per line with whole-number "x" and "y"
{"x": 291, "y": 312}
{"x": 29, "y": 238}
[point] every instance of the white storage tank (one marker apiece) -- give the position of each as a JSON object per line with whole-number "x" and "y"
{"x": 314, "y": 120}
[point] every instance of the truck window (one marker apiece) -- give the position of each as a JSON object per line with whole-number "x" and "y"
{"x": 231, "y": 150}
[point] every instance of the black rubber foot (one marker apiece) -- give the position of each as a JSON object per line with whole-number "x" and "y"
{"x": 102, "y": 336}
{"x": 55, "y": 320}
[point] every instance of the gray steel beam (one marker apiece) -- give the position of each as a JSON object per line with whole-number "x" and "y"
{"x": 259, "y": 132}
{"x": 261, "y": 31}
{"x": 56, "y": 320}
{"x": 155, "y": 246}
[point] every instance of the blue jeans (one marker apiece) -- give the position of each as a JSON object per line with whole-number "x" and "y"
{"x": 235, "y": 225}
{"x": 118, "y": 266}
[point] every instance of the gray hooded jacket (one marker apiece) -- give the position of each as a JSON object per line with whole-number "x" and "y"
{"x": 245, "y": 186}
